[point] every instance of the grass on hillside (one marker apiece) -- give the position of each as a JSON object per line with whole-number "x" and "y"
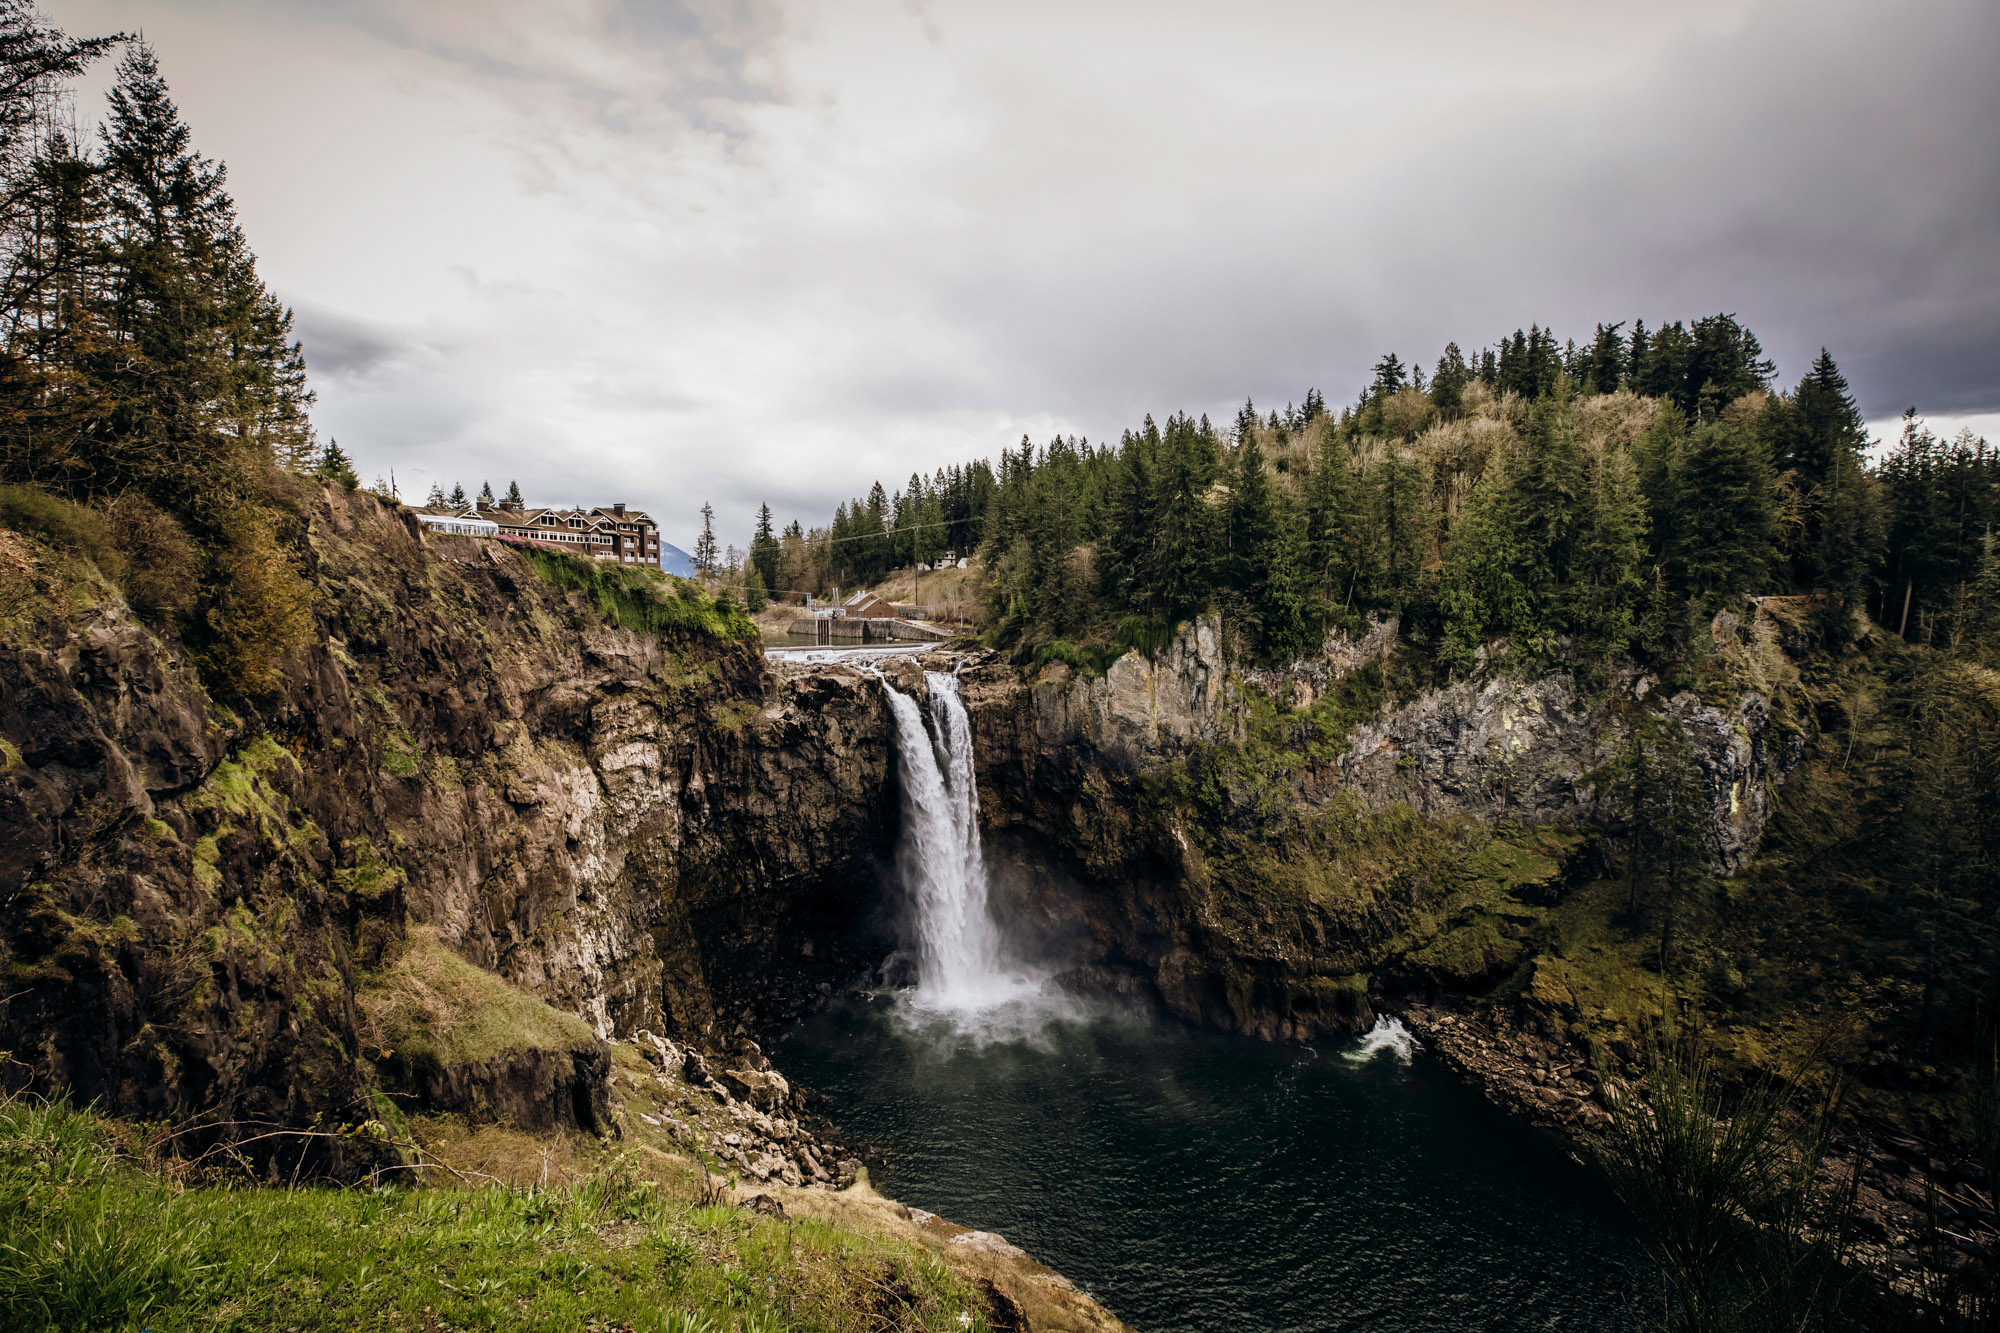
{"x": 645, "y": 601}
{"x": 431, "y": 1007}
{"x": 95, "y": 1233}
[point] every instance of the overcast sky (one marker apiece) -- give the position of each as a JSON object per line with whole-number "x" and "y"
{"x": 740, "y": 252}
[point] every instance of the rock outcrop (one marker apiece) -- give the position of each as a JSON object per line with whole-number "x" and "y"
{"x": 197, "y": 901}
{"x": 1270, "y": 895}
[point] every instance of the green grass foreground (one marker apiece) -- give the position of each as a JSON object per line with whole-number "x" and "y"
{"x": 96, "y": 1233}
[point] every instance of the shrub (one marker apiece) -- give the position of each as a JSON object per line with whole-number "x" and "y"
{"x": 162, "y": 566}
{"x": 259, "y": 610}
{"x": 63, "y": 524}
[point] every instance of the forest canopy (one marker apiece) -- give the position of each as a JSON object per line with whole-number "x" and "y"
{"x": 1554, "y": 499}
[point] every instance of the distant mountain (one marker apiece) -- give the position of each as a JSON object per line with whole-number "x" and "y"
{"x": 676, "y": 561}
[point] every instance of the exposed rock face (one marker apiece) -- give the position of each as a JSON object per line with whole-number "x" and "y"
{"x": 1503, "y": 746}
{"x": 197, "y": 905}
{"x": 1079, "y": 781}
{"x": 190, "y": 897}
{"x": 1140, "y": 710}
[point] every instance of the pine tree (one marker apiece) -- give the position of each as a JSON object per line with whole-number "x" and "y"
{"x": 1402, "y": 516}
{"x": 514, "y": 500}
{"x": 1979, "y": 637}
{"x": 1448, "y": 383}
{"x": 1637, "y": 356}
{"x": 755, "y": 598}
{"x": 486, "y": 491}
{"x": 334, "y": 466}
{"x": 1726, "y": 514}
{"x": 1389, "y": 377}
{"x": 436, "y": 498}
{"x": 764, "y": 549}
{"x": 706, "y": 557}
{"x": 1818, "y": 437}
{"x": 1180, "y": 572}
{"x": 1335, "y": 527}
{"x": 1605, "y": 368}
{"x": 1125, "y": 553}
{"x": 1607, "y": 577}
{"x": 1265, "y": 557}
{"x": 1669, "y": 810}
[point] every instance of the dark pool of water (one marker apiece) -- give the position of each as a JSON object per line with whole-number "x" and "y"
{"x": 1193, "y": 1182}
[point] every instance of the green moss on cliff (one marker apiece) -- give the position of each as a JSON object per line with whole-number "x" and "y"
{"x": 433, "y": 1006}
{"x": 367, "y": 874}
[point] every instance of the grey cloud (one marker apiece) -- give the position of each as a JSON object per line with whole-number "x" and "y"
{"x": 342, "y": 347}
{"x": 912, "y": 247}
{"x": 1824, "y": 171}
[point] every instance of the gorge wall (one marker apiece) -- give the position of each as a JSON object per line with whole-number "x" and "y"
{"x": 483, "y": 829}
{"x": 226, "y": 913}
{"x": 1190, "y": 835}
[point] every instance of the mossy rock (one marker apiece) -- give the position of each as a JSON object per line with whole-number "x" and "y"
{"x": 451, "y": 1036}
{"x": 1471, "y": 954}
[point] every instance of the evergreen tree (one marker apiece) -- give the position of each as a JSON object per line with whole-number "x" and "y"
{"x": 1126, "y": 551}
{"x": 1608, "y": 583}
{"x": 764, "y": 552}
{"x": 1818, "y": 437}
{"x": 1979, "y": 636}
{"x": 755, "y": 598}
{"x": 1180, "y": 571}
{"x": 1725, "y": 360}
{"x": 1402, "y": 522}
{"x": 1725, "y": 514}
{"x": 457, "y": 500}
{"x": 1604, "y": 366}
{"x": 1265, "y": 557}
{"x": 1448, "y": 383}
{"x": 436, "y": 498}
{"x": 1637, "y": 356}
{"x": 1389, "y": 377}
{"x": 335, "y": 467}
{"x": 1513, "y": 561}
{"x": 486, "y": 491}
{"x": 1336, "y": 528}
{"x": 706, "y": 558}
{"x": 1669, "y": 810}
{"x": 514, "y": 500}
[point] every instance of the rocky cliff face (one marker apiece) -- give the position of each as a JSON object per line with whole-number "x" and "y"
{"x": 201, "y": 907}
{"x": 234, "y": 913}
{"x": 1181, "y": 844}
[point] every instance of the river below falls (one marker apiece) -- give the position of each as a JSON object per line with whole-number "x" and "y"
{"x": 1202, "y": 1183}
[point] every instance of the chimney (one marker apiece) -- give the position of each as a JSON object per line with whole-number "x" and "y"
{"x": 619, "y": 509}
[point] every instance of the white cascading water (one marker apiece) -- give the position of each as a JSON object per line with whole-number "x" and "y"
{"x": 960, "y": 969}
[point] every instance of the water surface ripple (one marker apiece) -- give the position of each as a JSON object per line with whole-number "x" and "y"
{"x": 1195, "y": 1182}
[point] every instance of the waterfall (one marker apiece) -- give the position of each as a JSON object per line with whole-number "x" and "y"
{"x": 960, "y": 968}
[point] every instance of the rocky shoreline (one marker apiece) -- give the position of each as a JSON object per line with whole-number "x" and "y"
{"x": 1915, "y": 1207}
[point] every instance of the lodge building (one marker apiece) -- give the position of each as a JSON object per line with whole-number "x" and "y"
{"x": 608, "y": 532}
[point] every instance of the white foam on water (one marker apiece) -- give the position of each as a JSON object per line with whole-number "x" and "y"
{"x": 966, "y": 984}
{"x": 1387, "y": 1036}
